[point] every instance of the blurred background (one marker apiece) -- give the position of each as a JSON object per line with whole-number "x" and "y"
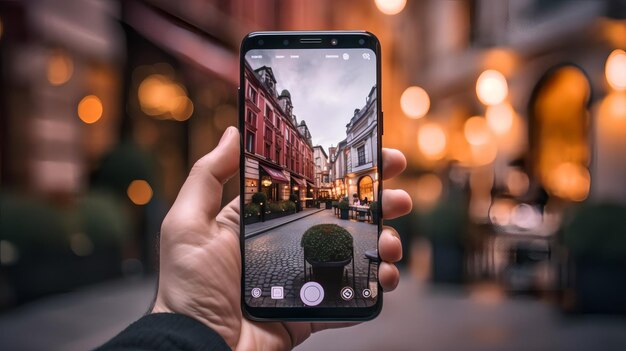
{"x": 512, "y": 115}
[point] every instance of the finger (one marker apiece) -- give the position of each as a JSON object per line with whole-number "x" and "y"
{"x": 388, "y": 276}
{"x": 202, "y": 190}
{"x": 390, "y": 245}
{"x": 394, "y": 163}
{"x": 315, "y": 327}
{"x": 229, "y": 216}
{"x": 396, "y": 203}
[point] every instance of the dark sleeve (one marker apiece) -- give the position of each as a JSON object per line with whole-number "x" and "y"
{"x": 166, "y": 331}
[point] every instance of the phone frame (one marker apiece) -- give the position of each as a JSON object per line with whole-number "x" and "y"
{"x": 274, "y": 40}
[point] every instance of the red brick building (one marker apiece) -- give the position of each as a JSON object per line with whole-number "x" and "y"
{"x": 278, "y": 149}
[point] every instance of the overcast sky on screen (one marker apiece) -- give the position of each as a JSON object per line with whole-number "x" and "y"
{"x": 324, "y": 91}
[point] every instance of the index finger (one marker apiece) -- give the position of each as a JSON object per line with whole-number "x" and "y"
{"x": 394, "y": 163}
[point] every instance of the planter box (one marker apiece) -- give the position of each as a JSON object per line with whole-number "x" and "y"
{"x": 599, "y": 286}
{"x": 251, "y": 220}
{"x": 345, "y": 214}
{"x": 330, "y": 275}
{"x": 447, "y": 263}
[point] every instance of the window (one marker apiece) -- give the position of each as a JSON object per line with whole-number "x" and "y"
{"x": 269, "y": 114}
{"x": 277, "y": 156}
{"x": 252, "y": 94}
{"x": 361, "y": 155}
{"x": 268, "y": 149}
{"x": 268, "y": 134}
{"x": 251, "y": 117}
{"x": 250, "y": 142}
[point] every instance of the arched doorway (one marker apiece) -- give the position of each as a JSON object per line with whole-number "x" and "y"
{"x": 559, "y": 127}
{"x": 365, "y": 188}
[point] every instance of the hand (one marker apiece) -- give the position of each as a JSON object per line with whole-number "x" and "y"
{"x": 200, "y": 261}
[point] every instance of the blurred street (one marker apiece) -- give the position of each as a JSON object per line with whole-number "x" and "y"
{"x": 416, "y": 316}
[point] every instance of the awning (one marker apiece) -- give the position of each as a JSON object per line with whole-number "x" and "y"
{"x": 275, "y": 174}
{"x": 311, "y": 184}
{"x": 300, "y": 182}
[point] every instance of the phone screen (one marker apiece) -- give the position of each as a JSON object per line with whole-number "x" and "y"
{"x": 311, "y": 178}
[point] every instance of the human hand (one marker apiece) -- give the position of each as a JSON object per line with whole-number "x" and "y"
{"x": 200, "y": 261}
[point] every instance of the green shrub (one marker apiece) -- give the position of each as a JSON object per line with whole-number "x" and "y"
{"x": 293, "y": 197}
{"x": 327, "y": 243}
{"x": 251, "y": 210}
{"x": 344, "y": 204}
{"x": 374, "y": 206}
{"x": 289, "y": 206}
{"x": 259, "y": 198}
{"x": 597, "y": 231}
{"x": 275, "y": 207}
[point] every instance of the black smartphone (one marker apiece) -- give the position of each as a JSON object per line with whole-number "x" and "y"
{"x": 311, "y": 125}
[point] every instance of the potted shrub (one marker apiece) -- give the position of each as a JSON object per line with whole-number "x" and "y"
{"x": 445, "y": 226}
{"x": 294, "y": 198}
{"x": 260, "y": 199}
{"x": 374, "y": 211}
{"x": 344, "y": 209}
{"x": 328, "y": 248}
{"x": 595, "y": 238}
{"x": 329, "y": 204}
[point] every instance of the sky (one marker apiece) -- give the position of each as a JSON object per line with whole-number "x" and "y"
{"x": 324, "y": 91}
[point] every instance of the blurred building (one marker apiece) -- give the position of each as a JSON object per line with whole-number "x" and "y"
{"x": 322, "y": 180}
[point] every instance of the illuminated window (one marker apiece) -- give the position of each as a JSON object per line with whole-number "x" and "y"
{"x": 361, "y": 155}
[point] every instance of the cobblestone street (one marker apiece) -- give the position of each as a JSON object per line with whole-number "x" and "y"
{"x": 275, "y": 258}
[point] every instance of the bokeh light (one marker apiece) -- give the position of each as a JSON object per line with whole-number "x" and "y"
{"x": 428, "y": 191}
{"x": 476, "y": 131}
{"x": 415, "y": 102}
{"x": 570, "y": 181}
{"x": 615, "y": 70}
{"x": 500, "y": 211}
{"x": 517, "y": 182}
{"x": 90, "y": 109}
{"x": 491, "y": 87}
{"x": 431, "y": 140}
{"x": 390, "y": 7}
{"x": 163, "y": 98}
{"x": 60, "y": 67}
{"x": 500, "y": 118}
{"x": 139, "y": 192}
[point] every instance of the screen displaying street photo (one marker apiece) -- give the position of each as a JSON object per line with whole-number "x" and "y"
{"x": 311, "y": 178}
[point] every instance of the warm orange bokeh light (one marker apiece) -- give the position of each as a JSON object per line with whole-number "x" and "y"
{"x": 390, "y": 7}
{"x": 517, "y": 182}
{"x": 484, "y": 154}
{"x": 615, "y": 70}
{"x": 476, "y": 131}
{"x": 90, "y": 109}
{"x": 431, "y": 140}
{"x": 428, "y": 190}
{"x": 415, "y": 102}
{"x": 614, "y": 105}
{"x": 570, "y": 181}
{"x": 500, "y": 211}
{"x": 161, "y": 97}
{"x": 139, "y": 192}
{"x": 500, "y": 118}
{"x": 60, "y": 68}
{"x": 491, "y": 87}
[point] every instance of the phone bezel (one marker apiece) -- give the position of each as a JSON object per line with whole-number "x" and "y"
{"x": 274, "y": 40}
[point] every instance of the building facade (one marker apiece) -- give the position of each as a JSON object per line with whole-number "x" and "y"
{"x": 278, "y": 149}
{"x": 322, "y": 173}
{"x": 354, "y": 161}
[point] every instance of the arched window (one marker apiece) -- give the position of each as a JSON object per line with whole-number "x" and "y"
{"x": 366, "y": 188}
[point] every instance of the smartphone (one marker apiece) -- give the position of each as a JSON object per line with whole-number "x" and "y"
{"x": 311, "y": 125}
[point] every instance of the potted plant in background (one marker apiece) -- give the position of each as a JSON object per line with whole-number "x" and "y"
{"x": 328, "y": 248}
{"x": 344, "y": 209}
{"x": 329, "y": 203}
{"x": 294, "y": 198}
{"x": 289, "y": 207}
{"x": 374, "y": 211}
{"x": 260, "y": 199}
{"x": 445, "y": 226}
{"x": 335, "y": 205}
{"x": 595, "y": 237}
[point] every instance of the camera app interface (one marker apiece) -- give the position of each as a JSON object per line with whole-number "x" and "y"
{"x": 311, "y": 178}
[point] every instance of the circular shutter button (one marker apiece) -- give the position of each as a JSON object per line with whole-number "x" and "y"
{"x": 312, "y": 294}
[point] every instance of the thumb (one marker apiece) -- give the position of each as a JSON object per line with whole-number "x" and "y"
{"x": 202, "y": 191}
